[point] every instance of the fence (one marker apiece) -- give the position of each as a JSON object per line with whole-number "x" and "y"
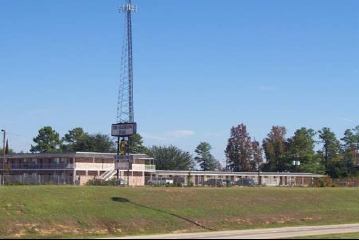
{"x": 37, "y": 179}
{"x": 346, "y": 182}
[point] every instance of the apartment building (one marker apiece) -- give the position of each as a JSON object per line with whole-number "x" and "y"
{"x": 73, "y": 168}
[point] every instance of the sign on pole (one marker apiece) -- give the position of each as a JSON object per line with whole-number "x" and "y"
{"x": 122, "y": 165}
{"x": 124, "y": 129}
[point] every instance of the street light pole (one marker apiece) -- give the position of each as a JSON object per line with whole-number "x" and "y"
{"x": 3, "y": 156}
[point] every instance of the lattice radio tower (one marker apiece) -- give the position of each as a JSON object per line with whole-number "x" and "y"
{"x": 125, "y": 92}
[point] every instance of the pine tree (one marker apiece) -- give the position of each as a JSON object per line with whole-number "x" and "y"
{"x": 204, "y": 157}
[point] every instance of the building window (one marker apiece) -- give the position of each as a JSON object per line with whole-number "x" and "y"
{"x": 56, "y": 160}
{"x": 64, "y": 160}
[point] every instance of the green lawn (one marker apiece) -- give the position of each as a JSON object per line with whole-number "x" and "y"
{"x": 95, "y": 211}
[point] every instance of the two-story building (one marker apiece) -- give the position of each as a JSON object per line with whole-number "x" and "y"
{"x": 73, "y": 168}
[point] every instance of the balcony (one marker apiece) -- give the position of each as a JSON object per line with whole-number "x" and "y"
{"x": 34, "y": 166}
{"x": 135, "y": 167}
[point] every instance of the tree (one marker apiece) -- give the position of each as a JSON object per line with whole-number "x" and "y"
{"x": 101, "y": 143}
{"x": 351, "y": 138}
{"x": 275, "y": 150}
{"x": 170, "y": 158}
{"x": 330, "y": 153}
{"x": 219, "y": 166}
{"x": 257, "y": 155}
{"x": 239, "y": 151}
{"x": 46, "y": 141}
{"x": 204, "y": 157}
{"x": 350, "y": 149}
{"x": 135, "y": 143}
{"x": 71, "y": 140}
{"x": 301, "y": 148}
{"x": 78, "y": 140}
{"x": 7, "y": 150}
{"x": 96, "y": 143}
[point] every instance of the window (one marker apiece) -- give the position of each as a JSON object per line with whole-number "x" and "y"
{"x": 64, "y": 160}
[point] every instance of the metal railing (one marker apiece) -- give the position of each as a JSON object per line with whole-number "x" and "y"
{"x": 31, "y": 166}
{"x": 38, "y": 179}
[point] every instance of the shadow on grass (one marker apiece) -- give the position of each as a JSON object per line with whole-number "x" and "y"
{"x": 120, "y": 199}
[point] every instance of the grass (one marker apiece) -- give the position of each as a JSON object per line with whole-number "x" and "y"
{"x": 98, "y": 211}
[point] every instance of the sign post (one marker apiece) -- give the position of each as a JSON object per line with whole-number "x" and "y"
{"x": 123, "y": 130}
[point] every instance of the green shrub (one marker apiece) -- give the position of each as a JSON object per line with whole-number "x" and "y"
{"x": 99, "y": 182}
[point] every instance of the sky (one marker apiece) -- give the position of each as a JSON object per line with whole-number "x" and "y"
{"x": 200, "y": 68}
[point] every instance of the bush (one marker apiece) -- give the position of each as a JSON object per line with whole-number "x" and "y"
{"x": 99, "y": 182}
{"x": 177, "y": 183}
{"x": 324, "y": 182}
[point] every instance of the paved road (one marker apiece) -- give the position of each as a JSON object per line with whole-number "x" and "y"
{"x": 268, "y": 233}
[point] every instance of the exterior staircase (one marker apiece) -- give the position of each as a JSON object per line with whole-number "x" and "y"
{"x": 107, "y": 175}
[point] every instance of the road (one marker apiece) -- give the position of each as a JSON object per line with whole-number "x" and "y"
{"x": 268, "y": 233}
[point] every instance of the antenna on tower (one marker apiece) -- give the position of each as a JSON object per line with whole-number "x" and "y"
{"x": 125, "y": 125}
{"x": 125, "y": 112}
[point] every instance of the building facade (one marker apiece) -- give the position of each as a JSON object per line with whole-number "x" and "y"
{"x": 72, "y": 168}
{"x": 138, "y": 169}
{"x": 199, "y": 178}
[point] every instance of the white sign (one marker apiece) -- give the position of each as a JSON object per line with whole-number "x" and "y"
{"x": 124, "y": 129}
{"x": 121, "y": 165}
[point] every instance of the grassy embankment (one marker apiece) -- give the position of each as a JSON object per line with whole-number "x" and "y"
{"x": 84, "y": 212}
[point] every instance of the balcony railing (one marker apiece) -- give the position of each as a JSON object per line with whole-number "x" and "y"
{"x": 33, "y": 166}
{"x": 135, "y": 167}
{"x": 142, "y": 167}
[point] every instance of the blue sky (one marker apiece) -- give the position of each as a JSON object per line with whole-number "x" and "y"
{"x": 200, "y": 67}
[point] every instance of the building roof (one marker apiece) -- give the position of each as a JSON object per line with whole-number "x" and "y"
{"x": 72, "y": 154}
{"x": 218, "y": 173}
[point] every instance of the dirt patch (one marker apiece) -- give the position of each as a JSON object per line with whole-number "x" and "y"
{"x": 41, "y": 230}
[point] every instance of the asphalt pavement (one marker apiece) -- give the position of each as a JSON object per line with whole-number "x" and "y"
{"x": 268, "y": 233}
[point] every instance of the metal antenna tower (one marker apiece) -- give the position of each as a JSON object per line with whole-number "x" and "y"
{"x": 125, "y": 92}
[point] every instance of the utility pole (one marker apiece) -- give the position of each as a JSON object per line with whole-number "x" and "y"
{"x": 3, "y": 156}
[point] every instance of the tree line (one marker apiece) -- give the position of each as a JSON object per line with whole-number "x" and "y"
{"x": 275, "y": 153}
{"x": 334, "y": 157}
